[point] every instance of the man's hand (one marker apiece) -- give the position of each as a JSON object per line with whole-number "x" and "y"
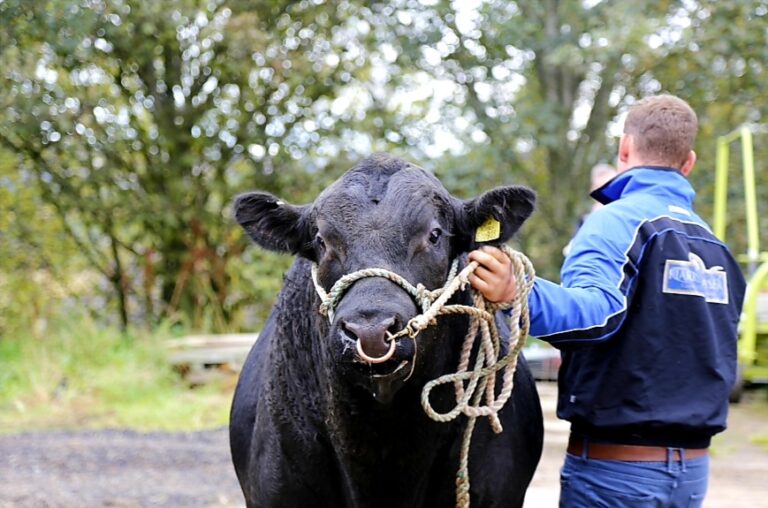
{"x": 494, "y": 277}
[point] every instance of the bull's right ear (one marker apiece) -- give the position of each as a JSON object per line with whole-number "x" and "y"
{"x": 275, "y": 224}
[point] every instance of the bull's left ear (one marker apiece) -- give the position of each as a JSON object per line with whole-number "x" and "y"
{"x": 508, "y": 206}
{"x": 275, "y": 224}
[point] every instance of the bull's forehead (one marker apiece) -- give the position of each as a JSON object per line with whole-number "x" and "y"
{"x": 377, "y": 201}
{"x": 409, "y": 196}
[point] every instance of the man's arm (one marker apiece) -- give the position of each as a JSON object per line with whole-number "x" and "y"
{"x": 588, "y": 307}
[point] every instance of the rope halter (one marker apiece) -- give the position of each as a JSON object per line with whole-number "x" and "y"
{"x": 471, "y": 385}
{"x": 424, "y": 297}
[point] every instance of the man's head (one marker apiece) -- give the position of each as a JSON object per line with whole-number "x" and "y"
{"x": 600, "y": 174}
{"x": 659, "y": 131}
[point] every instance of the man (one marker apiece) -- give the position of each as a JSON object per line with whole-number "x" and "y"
{"x": 646, "y": 320}
{"x": 600, "y": 174}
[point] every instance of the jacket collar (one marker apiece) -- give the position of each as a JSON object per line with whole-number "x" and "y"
{"x": 668, "y": 181}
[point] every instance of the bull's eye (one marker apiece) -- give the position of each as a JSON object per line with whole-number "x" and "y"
{"x": 434, "y": 235}
{"x": 320, "y": 242}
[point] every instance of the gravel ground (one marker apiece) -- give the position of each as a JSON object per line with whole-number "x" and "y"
{"x": 126, "y": 469}
{"x": 114, "y": 468}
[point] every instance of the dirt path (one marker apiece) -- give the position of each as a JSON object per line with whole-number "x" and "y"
{"x": 124, "y": 469}
{"x": 119, "y": 469}
{"x": 739, "y": 467}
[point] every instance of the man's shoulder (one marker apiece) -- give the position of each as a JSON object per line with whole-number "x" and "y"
{"x": 623, "y": 215}
{"x": 641, "y": 209}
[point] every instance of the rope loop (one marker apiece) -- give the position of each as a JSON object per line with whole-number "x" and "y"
{"x": 475, "y": 387}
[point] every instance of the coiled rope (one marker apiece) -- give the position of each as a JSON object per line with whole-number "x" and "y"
{"x": 470, "y": 385}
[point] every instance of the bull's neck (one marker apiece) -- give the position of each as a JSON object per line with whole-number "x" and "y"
{"x": 364, "y": 435}
{"x": 296, "y": 355}
{"x": 407, "y": 451}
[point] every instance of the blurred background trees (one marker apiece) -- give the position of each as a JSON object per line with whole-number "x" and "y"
{"x": 127, "y": 127}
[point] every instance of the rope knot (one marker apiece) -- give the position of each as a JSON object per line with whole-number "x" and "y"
{"x": 423, "y": 296}
{"x": 325, "y": 307}
{"x": 418, "y": 324}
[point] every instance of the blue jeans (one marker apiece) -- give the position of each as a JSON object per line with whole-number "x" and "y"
{"x": 590, "y": 483}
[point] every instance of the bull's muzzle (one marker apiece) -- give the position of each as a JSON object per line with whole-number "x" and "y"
{"x": 374, "y": 341}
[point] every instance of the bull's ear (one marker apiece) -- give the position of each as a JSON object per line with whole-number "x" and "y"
{"x": 508, "y": 206}
{"x": 275, "y": 224}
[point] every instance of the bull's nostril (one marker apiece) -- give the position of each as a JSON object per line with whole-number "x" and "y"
{"x": 372, "y": 335}
{"x": 375, "y": 359}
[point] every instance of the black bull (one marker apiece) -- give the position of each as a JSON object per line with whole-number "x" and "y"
{"x": 312, "y": 424}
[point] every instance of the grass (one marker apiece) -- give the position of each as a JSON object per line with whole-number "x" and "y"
{"x": 81, "y": 375}
{"x": 761, "y": 441}
{"x": 759, "y": 436}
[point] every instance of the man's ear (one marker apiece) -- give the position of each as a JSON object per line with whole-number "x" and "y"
{"x": 275, "y": 224}
{"x": 625, "y": 150}
{"x": 688, "y": 163}
{"x": 508, "y": 206}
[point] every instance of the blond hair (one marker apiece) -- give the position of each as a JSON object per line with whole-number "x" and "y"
{"x": 663, "y": 129}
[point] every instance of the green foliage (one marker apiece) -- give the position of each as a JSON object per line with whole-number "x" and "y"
{"x": 81, "y": 374}
{"x": 761, "y": 441}
{"x": 542, "y": 85}
{"x": 127, "y": 127}
{"x": 718, "y": 64}
{"x": 138, "y": 123}
{"x": 39, "y": 266}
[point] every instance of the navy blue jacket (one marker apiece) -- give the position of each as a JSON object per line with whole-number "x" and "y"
{"x": 646, "y": 317}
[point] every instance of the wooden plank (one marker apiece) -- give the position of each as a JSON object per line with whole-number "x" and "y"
{"x": 213, "y": 341}
{"x": 217, "y": 356}
{"x": 201, "y": 351}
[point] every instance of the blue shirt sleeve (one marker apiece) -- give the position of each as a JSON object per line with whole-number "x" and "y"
{"x": 590, "y": 303}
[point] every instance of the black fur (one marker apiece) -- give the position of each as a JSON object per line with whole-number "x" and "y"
{"x": 310, "y": 425}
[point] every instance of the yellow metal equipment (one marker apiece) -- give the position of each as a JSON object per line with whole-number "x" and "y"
{"x": 753, "y": 327}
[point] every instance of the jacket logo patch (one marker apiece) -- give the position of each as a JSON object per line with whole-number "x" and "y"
{"x": 693, "y": 278}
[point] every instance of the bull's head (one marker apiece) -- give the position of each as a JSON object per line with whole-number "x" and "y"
{"x": 384, "y": 213}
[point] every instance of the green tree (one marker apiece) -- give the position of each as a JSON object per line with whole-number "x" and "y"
{"x": 40, "y": 270}
{"x": 140, "y": 121}
{"x": 535, "y": 87}
{"x": 136, "y": 123}
{"x": 717, "y": 60}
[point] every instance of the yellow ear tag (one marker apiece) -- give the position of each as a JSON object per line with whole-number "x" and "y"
{"x": 488, "y": 230}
